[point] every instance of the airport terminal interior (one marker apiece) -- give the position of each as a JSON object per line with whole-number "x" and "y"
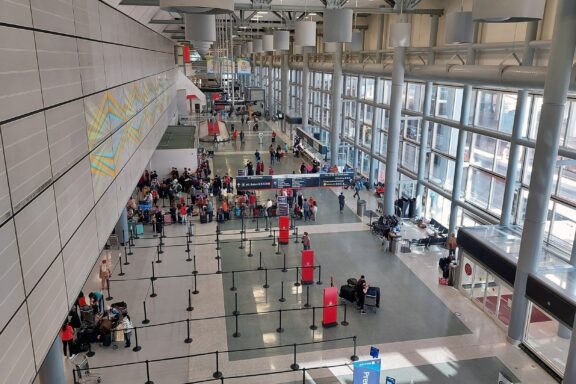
{"x": 287, "y": 191}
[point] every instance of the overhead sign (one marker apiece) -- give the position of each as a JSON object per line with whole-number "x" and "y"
{"x": 311, "y": 141}
{"x": 243, "y": 66}
{"x": 367, "y": 372}
{"x": 309, "y": 180}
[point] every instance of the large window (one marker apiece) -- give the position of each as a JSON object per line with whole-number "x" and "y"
{"x": 495, "y": 110}
{"x": 448, "y": 102}
{"x": 414, "y": 96}
{"x": 442, "y": 171}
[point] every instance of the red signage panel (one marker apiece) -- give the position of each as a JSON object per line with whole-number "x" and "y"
{"x": 330, "y": 312}
{"x": 307, "y": 266}
{"x": 284, "y": 224}
{"x": 186, "y": 53}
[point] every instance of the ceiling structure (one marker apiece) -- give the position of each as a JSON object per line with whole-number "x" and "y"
{"x": 256, "y": 17}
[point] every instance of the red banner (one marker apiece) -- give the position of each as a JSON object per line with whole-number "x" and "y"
{"x": 307, "y": 266}
{"x": 330, "y": 313}
{"x": 186, "y": 53}
{"x": 213, "y": 128}
{"x": 284, "y": 224}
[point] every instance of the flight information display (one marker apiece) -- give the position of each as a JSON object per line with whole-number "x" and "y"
{"x": 309, "y": 180}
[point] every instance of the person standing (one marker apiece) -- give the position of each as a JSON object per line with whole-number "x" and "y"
{"x": 341, "y": 200}
{"x": 104, "y": 274}
{"x": 272, "y": 154}
{"x": 361, "y": 289}
{"x": 306, "y": 209}
{"x": 452, "y": 244}
{"x": 128, "y": 326}
{"x": 242, "y": 120}
{"x": 242, "y": 137}
{"x": 306, "y": 241}
{"x": 67, "y": 337}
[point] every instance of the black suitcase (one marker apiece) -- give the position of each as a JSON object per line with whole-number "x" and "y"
{"x": 203, "y": 218}
{"x": 348, "y": 293}
{"x": 106, "y": 339}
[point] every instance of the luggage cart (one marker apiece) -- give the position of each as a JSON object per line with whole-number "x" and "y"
{"x": 83, "y": 374}
{"x": 372, "y": 299}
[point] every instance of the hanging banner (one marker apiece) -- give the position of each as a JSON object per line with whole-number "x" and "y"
{"x": 243, "y": 66}
{"x": 330, "y": 310}
{"x": 210, "y": 66}
{"x": 307, "y": 266}
{"x": 186, "y": 53}
{"x": 367, "y": 372}
{"x": 284, "y": 224}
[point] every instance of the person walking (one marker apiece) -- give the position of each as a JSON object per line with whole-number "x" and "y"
{"x": 306, "y": 241}
{"x": 361, "y": 289}
{"x": 242, "y": 137}
{"x": 128, "y": 326}
{"x": 67, "y": 337}
{"x": 341, "y": 200}
{"x": 452, "y": 244}
{"x": 356, "y": 191}
{"x": 272, "y": 154}
{"x": 242, "y": 120}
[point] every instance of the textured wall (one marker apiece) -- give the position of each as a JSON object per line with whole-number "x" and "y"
{"x": 85, "y": 96}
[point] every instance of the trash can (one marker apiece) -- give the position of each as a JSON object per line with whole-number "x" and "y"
{"x": 396, "y": 245}
{"x": 360, "y": 207}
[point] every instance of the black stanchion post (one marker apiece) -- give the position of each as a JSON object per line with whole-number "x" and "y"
{"x": 284, "y": 265}
{"x": 126, "y": 262}
{"x": 153, "y": 273}
{"x": 158, "y": 261}
{"x": 267, "y": 220}
{"x": 270, "y": 228}
{"x": 307, "y": 305}
{"x": 236, "y": 334}
{"x": 160, "y": 244}
{"x": 297, "y": 283}
{"x": 266, "y": 286}
{"x": 146, "y": 319}
{"x": 278, "y": 249}
{"x": 90, "y": 352}
{"x": 195, "y": 291}
{"x": 345, "y": 321}
{"x": 250, "y": 254}
{"x": 260, "y": 266}
{"x": 274, "y": 238}
{"x": 130, "y": 253}
{"x": 313, "y": 326}
{"x": 190, "y": 308}
{"x": 295, "y": 365}
{"x": 74, "y": 376}
{"x": 217, "y": 240}
{"x": 242, "y": 225}
{"x": 217, "y": 374}
{"x": 188, "y": 339}
{"x": 296, "y": 241}
{"x": 282, "y": 298}
{"x": 218, "y": 271}
{"x": 163, "y": 233}
{"x": 108, "y": 290}
{"x": 153, "y": 294}
{"x": 194, "y": 270}
{"x": 241, "y": 242}
{"x": 354, "y": 357}
{"x": 236, "y": 311}
{"x": 279, "y": 329}
{"x": 257, "y": 224}
{"x": 218, "y": 229}
{"x": 188, "y": 252}
{"x": 233, "y": 287}
{"x": 294, "y": 230}
{"x": 303, "y": 375}
{"x": 137, "y": 347}
{"x": 148, "y": 381}
{"x": 319, "y": 282}
{"x": 120, "y": 263}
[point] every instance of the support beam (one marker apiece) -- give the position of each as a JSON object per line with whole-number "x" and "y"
{"x": 336, "y": 101}
{"x": 544, "y": 169}
{"x": 305, "y": 88}
{"x": 284, "y": 90}
{"x": 376, "y": 126}
{"x": 270, "y": 92}
{"x": 357, "y": 128}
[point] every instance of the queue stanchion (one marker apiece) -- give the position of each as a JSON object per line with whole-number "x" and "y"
{"x": 108, "y": 290}
{"x": 217, "y": 240}
{"x": 153, "y": 272}
{"x": 296, "y": 241}
{"x": 260, "y": 266}
{"x": 294, "y": 228}
{"x": 319, "y": 282}
{"x": 295, "y": 365}
{"x": 267, "y": 221}
{"x": 236, "y": 311}
{"x": 250, "y": 254}
{"x": 307, "y": 305}
{"x": 153, "y": 294}
{"x": 148, "y": 381}
{"x": 241, "y": 242}
{"x": 188, "y": 252}
{"x": 282, "y": 298}
{"x": 137, "y": 347}
{"x": 280, "y": 329}
{"x": 236, "y": 333}
{"x": 158, "y": 250}
{"x": 284, "y": 265}
{"x": 233, "y": 287}
{"x": 190, "y": 308}
{"x": 278, "y": 249}
{"x": 126, "y": 262}
{"x": 354, "y": 356}
{"x": 313, "y": 326}
{"x": 297, "y": 283}
{"x": 242, "y": 226}
{"x": 303, "y": 375}
{"x": 218, "y": 271}
{"x": 160, "y": 244}
{"x": 218, "y": 229}
{"x": 257, "y": 224}
{"x": 120, "y": 263}
{"x": 345, "y": 321}
{"x": 270, "y": 230}
{"x": 130, "y": 253}
{"x": 163, "y": 234}
{"x": 195, "y": 291}
{"x": 266, "y": 285}
{"x": 146, "y": 319}
{"x": 194, "y": 270}
{"x": 188, "y": 339}
{"x": 274, "y": 238}
{"x": 217, "y": 374}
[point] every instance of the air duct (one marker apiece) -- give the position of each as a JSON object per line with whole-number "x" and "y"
{"x": 508, "y": 11}
{"x": 400, "y": 34}
{"x": 249, "y": 48}
{"x": 459, "y": 28}
{"x": 200, "y": 27}
{"x": 338, "y": 25}
{"x": 281, "y": 40}
{"x": 305, "y": 34}
{"x": 257, "y": 46}
{"x": 268, "y": 43}
{"x": 198, "y": 6}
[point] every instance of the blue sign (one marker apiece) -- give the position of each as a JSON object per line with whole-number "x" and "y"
{"x": 367, "y": 372}
{"x": 374, "y": 352}
{"x": 390, "y": 380}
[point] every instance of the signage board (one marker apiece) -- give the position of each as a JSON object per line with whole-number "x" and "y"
{"x": 311, "y": 141}
{"x": 367, "y": 372}
{"x": 244, "y": 183}
{"x": 243, "y": 66}
{"x": 309, "y": 180}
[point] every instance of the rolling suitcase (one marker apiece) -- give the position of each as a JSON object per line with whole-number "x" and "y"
{"x": 348, "y": 293}
{"x": 203, "y": 218}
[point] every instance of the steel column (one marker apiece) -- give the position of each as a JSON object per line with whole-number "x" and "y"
{"x": 357, "y": 126}
{"x": 376, "y": 127}
{"x": 336, "y": 102}
{"x": 544, "y": 167}
{"x": 305, "y": 87}
{"x": 270, "y": 84}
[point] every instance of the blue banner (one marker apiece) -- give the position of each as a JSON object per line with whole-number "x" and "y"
{"x": 367, "y": 372}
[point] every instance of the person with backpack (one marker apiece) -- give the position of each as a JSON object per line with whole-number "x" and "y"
{"x": 341, "y": 200}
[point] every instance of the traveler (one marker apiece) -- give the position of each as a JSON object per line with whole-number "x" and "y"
{"x": 127, "y": 324}
{"x": 361, "y": 289}
{"x": 306, "y": 241}
{"x": 97, "y": 298}
{"x": 104, "y": 274}
{"x": 356, "y": 191}
{"x": 452, "y": 244}
{"x": 341, "y": 200}
{"x": 67, "y": 337}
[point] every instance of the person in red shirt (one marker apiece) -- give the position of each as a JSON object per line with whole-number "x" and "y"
{"x": 67, "y": 337}
{"x": 270, "y": 170}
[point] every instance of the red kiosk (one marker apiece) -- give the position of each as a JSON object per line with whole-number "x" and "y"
{"x": 330, "y": 312}
{"x": 284, "y": 224}
{"x": 307, "y": 267}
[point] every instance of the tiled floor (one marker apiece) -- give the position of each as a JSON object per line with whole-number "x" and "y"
{"x": 426, "y": 333}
